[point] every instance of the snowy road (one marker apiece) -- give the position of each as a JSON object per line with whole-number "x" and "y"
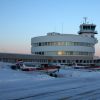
{"x": 16, "y": 85}
{"x": 57, "y": 89}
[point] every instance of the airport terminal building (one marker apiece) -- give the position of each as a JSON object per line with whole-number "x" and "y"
{"x": 67, "y": 48}
{"x": 61, "y": 48}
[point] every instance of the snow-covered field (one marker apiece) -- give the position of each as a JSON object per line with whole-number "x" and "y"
{"x": 72, "y": 84}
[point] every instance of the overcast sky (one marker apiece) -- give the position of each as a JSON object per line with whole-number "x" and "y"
{"x": 20, "y": 20}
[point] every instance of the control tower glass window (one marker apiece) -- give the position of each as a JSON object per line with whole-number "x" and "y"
{"x": 92, "y": 27}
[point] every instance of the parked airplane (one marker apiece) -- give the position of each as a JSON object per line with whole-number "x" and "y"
{"x": 29, "y": 66}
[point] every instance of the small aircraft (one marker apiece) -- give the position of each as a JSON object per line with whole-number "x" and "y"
{"x": 29, "y": 66}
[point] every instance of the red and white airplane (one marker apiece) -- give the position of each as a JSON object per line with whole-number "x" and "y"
{"x": 29, "y": 66}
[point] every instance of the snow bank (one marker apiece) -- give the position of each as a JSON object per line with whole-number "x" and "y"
{"x": 9, "y": 75}
{"x": 78, "y": 73}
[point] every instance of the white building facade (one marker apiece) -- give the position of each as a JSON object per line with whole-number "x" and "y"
{"x": 67, "y": 46}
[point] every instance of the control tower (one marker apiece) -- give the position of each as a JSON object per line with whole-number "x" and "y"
{"x": 87, "y": 29}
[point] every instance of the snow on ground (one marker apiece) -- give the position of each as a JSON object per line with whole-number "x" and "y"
{"x": 76, "y": 73}
{"x": 7, "y": 74}
{"x": 72, "y": 84}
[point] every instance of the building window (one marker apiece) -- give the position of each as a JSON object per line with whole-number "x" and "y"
{"x": 64, "y": 61}
{"x": 62, "y": 43}
{"x": 59, "y": 61}
{"x": 60, "y": 52}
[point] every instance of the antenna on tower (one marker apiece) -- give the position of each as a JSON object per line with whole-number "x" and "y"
{"x": 62, "y": 28}
{"x": 85, "y": 19}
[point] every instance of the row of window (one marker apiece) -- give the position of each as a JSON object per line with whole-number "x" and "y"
{"x": 63, "y": 53}
{"x": 61, "y": 43}
{"x": 63, "y": 61}
{"x": 73, "y": 61}
{"x": 89, "y": 27}
{"x": 53, "y": 61}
